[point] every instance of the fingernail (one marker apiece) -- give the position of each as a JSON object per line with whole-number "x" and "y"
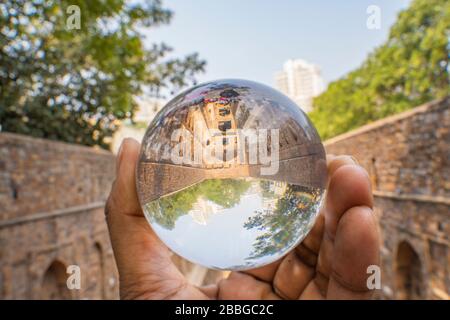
{"x": 354, "y": 160}
{"x": 119, "y": 157}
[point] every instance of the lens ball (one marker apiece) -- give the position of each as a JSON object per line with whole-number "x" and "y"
{"x": 231, "y": 174}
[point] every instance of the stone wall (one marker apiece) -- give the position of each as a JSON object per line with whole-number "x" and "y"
{"x": 52, "y": 198}
{"x": 408, "y": 159}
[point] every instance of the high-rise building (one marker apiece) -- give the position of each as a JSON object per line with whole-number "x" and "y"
{"x": 301, "y": 81}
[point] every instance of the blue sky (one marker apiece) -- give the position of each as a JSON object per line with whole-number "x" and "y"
{"x": 251, "y": 39}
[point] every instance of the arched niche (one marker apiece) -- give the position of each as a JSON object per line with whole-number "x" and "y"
{"x": 54, "y": 283}
{"x": 408, "y": 273}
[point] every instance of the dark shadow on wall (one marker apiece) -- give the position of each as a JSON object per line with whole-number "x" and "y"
{"x": 408, "y": 275}
{"x": 54, "y": 286}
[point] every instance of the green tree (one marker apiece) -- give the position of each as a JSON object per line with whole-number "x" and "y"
{"x": 76, "y": 85}
{"x": 290, "y": 220}
{"x": 411, "y": 68}
{"x": 223, "y": 192}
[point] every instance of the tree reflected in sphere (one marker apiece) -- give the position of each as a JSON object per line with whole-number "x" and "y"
{"x": 231, "y": 174}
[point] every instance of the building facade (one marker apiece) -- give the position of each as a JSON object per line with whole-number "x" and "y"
{"x": 301, "y": 81}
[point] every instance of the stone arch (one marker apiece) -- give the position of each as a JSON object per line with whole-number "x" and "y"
{"x": 408, "y": 273}
{"x": 54, "y": 282}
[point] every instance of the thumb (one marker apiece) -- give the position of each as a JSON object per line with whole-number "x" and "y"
{"x": 143, "y": 261}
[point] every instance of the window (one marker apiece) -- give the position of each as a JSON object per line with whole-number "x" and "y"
{"x": 224, "y": 125}
{"x": 224, "y": 111}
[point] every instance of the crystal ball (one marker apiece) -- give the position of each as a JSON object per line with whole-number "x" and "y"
{"x": 231, "y": 174}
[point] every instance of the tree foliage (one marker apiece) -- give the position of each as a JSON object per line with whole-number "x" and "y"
{"x": 291, "y": 219}
{"x": 76, "y": 84}
{"x": 223, "y": 192}
{"x": 411, "y": 68}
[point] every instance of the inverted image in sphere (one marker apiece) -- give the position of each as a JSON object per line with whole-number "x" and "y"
{"x": 231, "y": 174}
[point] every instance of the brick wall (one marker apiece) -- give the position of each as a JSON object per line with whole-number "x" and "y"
{"x": 51, "y": 216}
{"x": 52, "y": 197}
{"x": 408, "y": 159}
{"x": 38, "y": 175}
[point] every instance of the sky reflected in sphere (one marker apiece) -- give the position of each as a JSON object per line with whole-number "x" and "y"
{"x": 231, "y": 174}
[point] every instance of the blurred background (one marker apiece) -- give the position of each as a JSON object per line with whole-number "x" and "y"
{"x": 77, "y": 77}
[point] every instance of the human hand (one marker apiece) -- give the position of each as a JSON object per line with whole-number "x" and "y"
{"x": 330, "y": 263}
